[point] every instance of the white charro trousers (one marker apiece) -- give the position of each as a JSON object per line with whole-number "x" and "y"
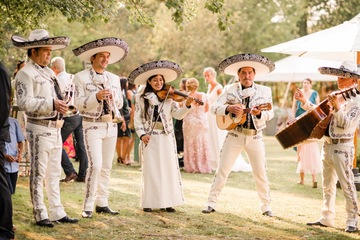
{"x": 254, "y": 147}
{"x": 45, "y": 159}
{"x": 337, "y": 165}
{"x": 100, "y": 142}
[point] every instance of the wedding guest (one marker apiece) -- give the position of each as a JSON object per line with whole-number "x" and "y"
{"x": 196, "y": 132}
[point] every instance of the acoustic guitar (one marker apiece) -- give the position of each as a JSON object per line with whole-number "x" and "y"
{"x": 311, "y": 125}
{"x": 230, "y": 121}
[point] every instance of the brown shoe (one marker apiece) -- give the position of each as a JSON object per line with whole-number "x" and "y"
{"x": 70, "y": 177}
{"x": 314, "y": 185}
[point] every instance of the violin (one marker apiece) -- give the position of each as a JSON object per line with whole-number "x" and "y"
{"x": 170, "y": 92}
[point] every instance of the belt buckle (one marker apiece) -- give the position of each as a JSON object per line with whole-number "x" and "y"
{"x": 106, "y": 118}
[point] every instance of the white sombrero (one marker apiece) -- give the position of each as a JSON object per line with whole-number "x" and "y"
{"x": 117, "y": 48}
{"x": 168, "y": 69}
{"x": 348, "y": 69}
{"x": 40, "y": 38}
{"x": 231, "y": 65}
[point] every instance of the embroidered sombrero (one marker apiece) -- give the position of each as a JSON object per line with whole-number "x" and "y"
{"x": 168, "y": 69}
{"x": 40, "y": 38}
{"x": 231, "y": 65}
{"x": 117, "y": 48}
{"x": 348, "y": 69}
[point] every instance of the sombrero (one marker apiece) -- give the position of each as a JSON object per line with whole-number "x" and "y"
{"x": 117, "y": 48}
{"x": 168, "y": 69}
{"x": 231, "y": 65}
{"x": 348, "y": 69}
{"x": 40, "y": 38}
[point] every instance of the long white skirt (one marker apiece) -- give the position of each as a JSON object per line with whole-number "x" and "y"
{"x": 161, "y": 179}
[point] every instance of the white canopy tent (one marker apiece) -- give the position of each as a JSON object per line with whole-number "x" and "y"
{"x": 340, "y": 43}
{"x": 296, "y": 69}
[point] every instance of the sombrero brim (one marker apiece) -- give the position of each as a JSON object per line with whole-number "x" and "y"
{"x": 117, "y": 48}
{"x": 168, "y": 69}
{"x": 54, "y": 43}
{"x": 231, "y": 65}
{"x": 338, "y": 72}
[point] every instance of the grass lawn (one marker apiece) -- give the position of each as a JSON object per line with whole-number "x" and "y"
{"x": 237, "y": 217}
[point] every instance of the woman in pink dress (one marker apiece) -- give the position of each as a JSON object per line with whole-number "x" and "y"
{"x": 196, "y": 133}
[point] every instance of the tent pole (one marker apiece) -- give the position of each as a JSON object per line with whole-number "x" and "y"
{"x": 356, "y": 131}
{"x": 286, "y": 94}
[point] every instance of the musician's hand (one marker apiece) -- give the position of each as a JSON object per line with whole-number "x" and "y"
{"x": 145, "y": 139}
{"x": 103, "y": 94}
{"x": 60, "y": 106}
{"x": 235, "y": 109}
{"x": 299, "y": 95}
{"x": 189, "y": 100}
{"x": 334, "y": 102}
{"x": 255, "y": 111}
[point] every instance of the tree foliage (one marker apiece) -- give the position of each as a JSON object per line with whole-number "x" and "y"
{"x": 193, "y": 33}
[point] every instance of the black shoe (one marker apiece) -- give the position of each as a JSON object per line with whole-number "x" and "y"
{"x": 208, "y": 209}
{"x": 351, "y": 229}
{"x": 80, "y": 179}
{"x": 105, "y": 210}
{"x": 316, "y": 224}
{"x": 268, "y": 214}
{"x": 147, "y": 209}
{"x": 45, "y": 223}
{"x": 70, "y": 177}
{"x": 66, "y": 219}
{"x": 170, "y": 209}
{"x": 86, "y": 214}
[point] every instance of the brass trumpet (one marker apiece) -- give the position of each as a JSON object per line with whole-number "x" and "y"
{"x": 116, "y": 115}
{"x": 69, "y": 99}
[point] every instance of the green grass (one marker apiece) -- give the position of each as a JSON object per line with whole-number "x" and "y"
{"x": 237, "y": 216}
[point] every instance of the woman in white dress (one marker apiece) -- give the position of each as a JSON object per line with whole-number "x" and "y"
{"x": 217, "y": 136}
{"x": 153, "y": 120}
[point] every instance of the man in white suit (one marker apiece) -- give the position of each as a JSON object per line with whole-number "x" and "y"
{"x": 38, "y": 94}
{"x": 247, "y": 135}
{"x": 98, "y": 98}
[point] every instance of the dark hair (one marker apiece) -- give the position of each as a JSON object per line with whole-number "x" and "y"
{"x": 29, "y": 53}
{"x": 243, "y": 67}
{"x": 308, "y": 79}
{"x": 123, "y": 81}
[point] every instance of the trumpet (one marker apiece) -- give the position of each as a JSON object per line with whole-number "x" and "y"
{"x": 116, "y": 115}
{"x": 69, "y": 99}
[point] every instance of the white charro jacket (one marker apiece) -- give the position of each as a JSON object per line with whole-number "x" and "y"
{"x": 233, "y": 94}
{"x": 87, "y": 84}
{"x": 169, "y": 110}
{"x": 35, "y": 91}
{"x": 345, "y": 121}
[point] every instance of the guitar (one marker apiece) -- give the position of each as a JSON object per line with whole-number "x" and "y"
{"x": 230, "y": 121}
{"x": 311, "y": 125}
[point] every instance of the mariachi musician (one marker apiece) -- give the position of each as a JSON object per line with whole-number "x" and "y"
{"x": 38, "y": 93}
{"x": 98, "y": 98}
{"x": 246, "y": 136}
{"x": 339, "y": 146}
